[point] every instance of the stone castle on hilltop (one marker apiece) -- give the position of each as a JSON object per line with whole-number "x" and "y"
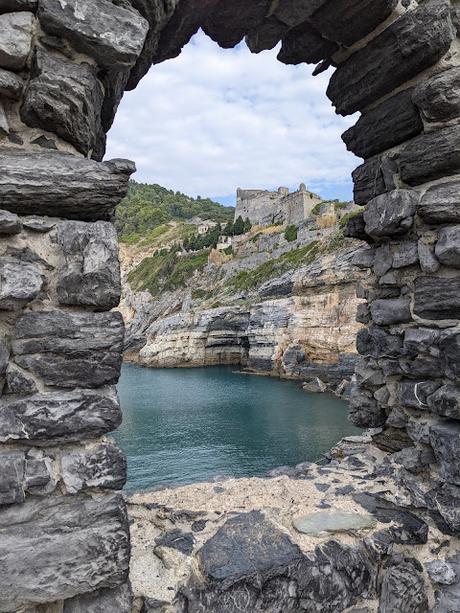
{"x": 264, "y": 208}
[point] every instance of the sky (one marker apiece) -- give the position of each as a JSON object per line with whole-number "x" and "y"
{"x": 213, "y": 120}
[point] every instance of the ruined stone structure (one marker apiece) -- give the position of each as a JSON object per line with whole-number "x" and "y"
{"x": 264, "y": 208}
{"x": 64, "y": 65}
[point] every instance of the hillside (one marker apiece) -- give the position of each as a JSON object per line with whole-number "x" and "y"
{"x": 148, "y": 207}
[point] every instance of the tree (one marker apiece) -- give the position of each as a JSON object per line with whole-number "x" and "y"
{"x": 290, "y": 234}
{"x": 247, "y": 225}
{"x": 238, "y": 227}
{"x": 228, "y": 230}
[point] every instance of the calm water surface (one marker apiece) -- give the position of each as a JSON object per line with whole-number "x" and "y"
{"x": 186, "y": 425}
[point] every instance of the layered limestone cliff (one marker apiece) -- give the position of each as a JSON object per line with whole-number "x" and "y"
{"x": 298, "y": 323}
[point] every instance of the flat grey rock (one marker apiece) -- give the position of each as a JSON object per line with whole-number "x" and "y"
{"x": 10, "y": 84}
{"x": 315, "y": 524}
{"x": 391, "y": 214}
{"x": 9, "y": 223}
{"x": 20, "y": 283}
{"x": 441, "y": 203}
{"x": 116, "y": 600}
{"x": 15, "y": 39}
{"x": 437, "y": 298}
{"x": 447, "y": 248}
{"x": 439, "y": 97}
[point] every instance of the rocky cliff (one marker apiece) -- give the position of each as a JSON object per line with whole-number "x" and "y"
{"x": 281, "y": 308}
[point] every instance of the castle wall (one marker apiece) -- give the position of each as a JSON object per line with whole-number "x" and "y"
{"x": 265, "y": 208}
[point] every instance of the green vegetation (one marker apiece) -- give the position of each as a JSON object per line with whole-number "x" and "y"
{"x": 148, "y": 207}
{"x": 338, "y": 205}
{"x": 239, "y": 227}
{"x": 346, "y": 218}
{"x": 248, "y": 279}
{"x": 315, "y": 210}
{"x": 166, "y": 271}
{"x": 291, "y": 234}
{"x": 203, "y": 241}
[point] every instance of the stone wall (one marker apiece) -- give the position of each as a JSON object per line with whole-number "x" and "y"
{"x": 64, "y": 65}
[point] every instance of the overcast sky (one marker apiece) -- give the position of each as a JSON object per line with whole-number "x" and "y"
{"x": 213, "y": 120}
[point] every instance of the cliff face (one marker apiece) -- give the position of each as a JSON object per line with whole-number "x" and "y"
{"x": 299, "y": 323}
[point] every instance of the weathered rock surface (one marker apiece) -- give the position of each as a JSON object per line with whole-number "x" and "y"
{"x": 391, "y": 311}
{"x": 70, "y": 349}
{"x": 403, "y": 587}
{"x": 117, "y": 600}
{"x": 9, "y": 223}
{"x": 447, "y": 248}
{"x": 408, "y": 46}
{"x": 113, "y": 35}
{"x": 20, "y": 283}
{"x": 368, "y": 181}
{"x": 10, "y": 84}
{"x": 445, "y": 440}
{"x": 57, "y": 184}
{"x": 390, "y": 214}
{"x": 59, "y": 416}
{"x": 441, "y": 203}
{"x": 90, "y": 272}
{"x": 305, "y": 44}
{"x": 10, "y": 6}
{"x": 437, "y": 298}
{"x": 53, "y": 538}
{"x": 65, "y": 98}
{"x": 15, "y": 39}
{"x": 389, "y": 124}
{"x": 438, "y": 98}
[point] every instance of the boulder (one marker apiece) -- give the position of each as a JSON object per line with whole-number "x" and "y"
{"x": 391, "y": 214}
{"x": 89, "y": 272}
{"x": 59, "y": 416}
{"x": 70, "y": 349}
{"x": 57, "y": 184}
{"x": 116, "y": 600}
{"x": 101, "y": 466}
{"x": 15, "y": 39}
{"x": 430, "y": 156}
{"x": 445, "y": 440}
{"x": 59, "y": 547}
{"x": 438, "y": 98}
{"x": 437, "y": 298}
{"x": 64, "y": 98}
{"x": 20, "y": 283}
{"x": 113, "y": 35}
{"x": 390, "y": 123}
{"x": 9, "y": 223}
{"x": 447, "y": 248}
{"x": 10, "y": 84}
{"x": 441, "y": 203}
{"x": 445, "y": 401}
{"x": 416, "y": 41}
{"x": 391, "y": 311}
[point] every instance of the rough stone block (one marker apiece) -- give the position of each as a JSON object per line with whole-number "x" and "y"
{"x": 392, "y": 311}
{"x": 446, "y": 402}
{"x": 60, "y": 547}
{"x": 64, "y": 98}
{"x": 447, "y": 248}
{"x": 391, "y": 214}
{"x": 439, "y": 98}
{"x": 364, "y": 411}
{"x": 415, "y": 394}
{"x": 90, "y": 272}
{"x": 430, "y": 156}
{"x": 450, "y": 352}
{"x": 405, "y": 255}
{"x": 445, "y": 440}
{"x": 61, "y": 185}
{"x": 40, "y": 476}
{"x": 117, "y": 600}
{"x": 113, "y": 34}
{"x": 10, "y": 6}
{"x": 10, "y": 84}
{"x": 59, "y": 416}
{"x": 102, "y": 466}
{"x": 376, "y": 342}
{"x": 416, "y": 41}
{"x": 390, "y": 123}
{"x": 70, "y": 349}
{"x": 267, "y": 35}
{"x": 9, "y": 223}
{"x": 441, "y": 203}
{"x": 19, "y": 382}
{"x": 11, "y": 478}
{"x": 347, "y": 21}
{"x": 20, "y": 283}
{"x": 15, "y": 39}
{"x": 383, "y": 260}
{"x": 305, "y": 44}
{"x": 427, "y": 258}
{"x": 403, "y": 587}
{"x": 368, "y": 181}
{"x": 437, "y": 298}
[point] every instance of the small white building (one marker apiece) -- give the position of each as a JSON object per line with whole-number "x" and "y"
{"x": 205, "y": 226}
{"x": 224, "y": 243}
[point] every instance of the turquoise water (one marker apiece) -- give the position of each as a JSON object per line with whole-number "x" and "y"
{"x": 186, "y": 425}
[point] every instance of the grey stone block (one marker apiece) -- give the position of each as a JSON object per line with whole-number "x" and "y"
{"x": 9, "y": 223}
{"x": 10, "y": 6}
{"x": 391, "y": 311}
{"x": 427, "y": 258}
{"x": 10, "y": 84}
{"x": 89, "y": 274}
{"x": 364, "y": 411}
{"x": 390, "y": 123}
{"x": 305, "y": 44}
{"x": 403, "y": 588}
{"x": 439, "y": 97}
{"x": 445, "y": 440}
{"x": 376, "y": 342}
{"x": 20, "y": 283}
{"x": 416, "y": 41}
{"x": 15, "y": 39}
{"x": 64, "y": 98}
{"x": 437, "y": 298}
{"x": 441, "y": 203}
{"x": 447, "y": 248}
{"x": 11, "y": 477}
{"x": 100, "y": 466}
{"x": 368, "y": 181}
{"x": 391, "y": 214}
{"x": 59, "y": 547}
{"x": 405, "y": 255}
{"x": 117, "y": 600}
{"x": 70, "y": 349}
{"x": 113, "y": 34}
{"x": 19, "y": 382}
{"x": 445, "y": 401}
{"x": 59, "y": 416}
{"x": 57, "y": 184}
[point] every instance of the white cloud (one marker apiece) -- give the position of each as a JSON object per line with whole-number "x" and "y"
{"x": 213, "y": 120}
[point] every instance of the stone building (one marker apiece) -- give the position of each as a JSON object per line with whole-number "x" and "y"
{"x": 264, "y": 208}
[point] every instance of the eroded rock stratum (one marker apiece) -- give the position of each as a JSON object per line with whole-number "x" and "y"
{"x": 64, "y": 538}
